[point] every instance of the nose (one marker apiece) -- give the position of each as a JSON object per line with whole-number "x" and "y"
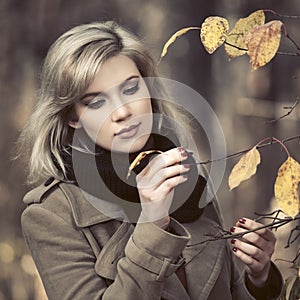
{"x": 121, "y": 113}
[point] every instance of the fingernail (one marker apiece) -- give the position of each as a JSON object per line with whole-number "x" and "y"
{"x": 180, "y": 149}
{"x": 186, "y": 166}
{"x": 242, "y": 220}
{"x": 232, "y": 229}
{"x": 233, "y": 241}
{"x": 234, "y": 249}
{"x": 184, "y": 176}
{"x": 184, "y": 154}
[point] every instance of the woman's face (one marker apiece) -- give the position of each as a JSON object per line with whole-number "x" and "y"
{"x": 115, "y": 110}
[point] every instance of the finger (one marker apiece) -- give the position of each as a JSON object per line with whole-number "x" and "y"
{"x": 256, "y": 239}
{"x": 163, "y": 191}
{"x": 246, "y": 259}
{"x": 252, "y": 265}
{"x": 249, "y": 224}
{"x": 251, "y": 250}
{"x": 166, "y": 159}
{"x": 158, "y": 202}
{"x": 168, "y": 185}
{"x": 161, "y": 176}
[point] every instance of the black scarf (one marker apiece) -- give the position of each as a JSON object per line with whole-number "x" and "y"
{"x": 112, "y": 185}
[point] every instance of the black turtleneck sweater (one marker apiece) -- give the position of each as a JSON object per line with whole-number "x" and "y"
{"x": 104, "y": 176}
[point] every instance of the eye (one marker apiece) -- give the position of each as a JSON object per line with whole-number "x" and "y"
{"x": 131, "y": 90}
{"x": 96, "y": 103}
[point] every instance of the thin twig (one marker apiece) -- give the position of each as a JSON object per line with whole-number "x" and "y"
{"x": 286, "y": 34}
{"x": 236, "y": 154}
{"x": 291, "y": 108}
{"x": 273, "y": 225}
{"x": 277, "y": 212}
{"x": 290, "y": 240}
{"x": 280, "y": 15}
{"x": 237, "y": 47}
{"x": 295, "y": 261}
{"x": 269, "y": 216}
{"x": 288, "y": 53}
{"x": 293, "y": 41}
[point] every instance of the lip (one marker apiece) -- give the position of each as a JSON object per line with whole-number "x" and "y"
{"x": 128, "y": 132}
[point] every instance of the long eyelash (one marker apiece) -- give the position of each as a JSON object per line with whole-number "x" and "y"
{"x": 134, "y": 88}
{"x": 94, "y": 104}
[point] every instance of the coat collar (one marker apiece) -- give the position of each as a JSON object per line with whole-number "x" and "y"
{"x": 85, "y": 214}
{"x": 37, "y": 194}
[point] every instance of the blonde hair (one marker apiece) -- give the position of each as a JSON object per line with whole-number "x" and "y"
{"x": 69, "y": 68}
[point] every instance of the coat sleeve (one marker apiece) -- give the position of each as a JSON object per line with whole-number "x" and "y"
{"x": 243, "y": 289}
{"x": 272, "y": 289}
{"x": 66, "y": 262}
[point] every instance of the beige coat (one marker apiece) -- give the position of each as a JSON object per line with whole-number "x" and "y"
{"x": 82, "y": 254}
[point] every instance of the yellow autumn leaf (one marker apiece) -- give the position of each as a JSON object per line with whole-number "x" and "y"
{"x": 139, "y": 158}
{"x": 213, "y": 33}
{"x": 172, "y": 39}
{"x": 286, "y": 187}
{"x": 245, "y": 168}
{"x": 263, "y": 42}
{"x": 240, "y": 30}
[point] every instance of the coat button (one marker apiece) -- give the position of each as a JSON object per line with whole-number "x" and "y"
{"x": 49, "y": 181}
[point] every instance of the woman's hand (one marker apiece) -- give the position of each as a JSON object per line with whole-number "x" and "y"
{"x": 254, "y": 249}
{"x": 156, "y": 183}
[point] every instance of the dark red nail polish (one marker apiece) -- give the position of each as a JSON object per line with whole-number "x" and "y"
{"x": 234, "y": 249}
{"x": 183, "y": 154}
{"x": 242, "y": 220}
{"x": 233, "y": 241}
{"x": 232, "y": 229}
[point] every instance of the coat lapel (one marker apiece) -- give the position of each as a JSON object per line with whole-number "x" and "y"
{"x": 204, "y": 269}
{"x": 84, "y": 211}
{"x": 203, "y": 260}
{"x": 174, "y": 289}
{"x": 113, "y": 250}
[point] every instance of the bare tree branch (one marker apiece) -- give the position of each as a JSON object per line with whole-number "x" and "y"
{"x": 236, "y": 154}
{"x": 295, "y": 261}
{"x": 225, "y": 234}
{"x": 290, "y": 240}
{"x": 291, "y": 108}
{"x": 288, "y": 53}
{"x": 280, "y": 15}
{"x": 293, "y": 41}
{"x": 234, "y": 46}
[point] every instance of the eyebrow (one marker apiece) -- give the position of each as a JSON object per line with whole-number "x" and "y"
{"x": 121, "y": 85}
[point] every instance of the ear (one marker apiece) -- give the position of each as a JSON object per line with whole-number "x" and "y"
{"x": 74, "y": 124}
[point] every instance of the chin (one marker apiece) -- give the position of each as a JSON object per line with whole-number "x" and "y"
{"x": 131, "y": 147}
{"x": 139, "y": 144}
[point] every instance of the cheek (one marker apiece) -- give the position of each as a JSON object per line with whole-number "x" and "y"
{"x": 145, "y": 107}
{"x": 150, "y": 112}
{"x": 146, "y": 111}
{"x": 94, "y": 125}
{"x": 104, "y": 129}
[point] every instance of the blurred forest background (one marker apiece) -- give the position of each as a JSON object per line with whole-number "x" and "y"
{"x": 243, "y": 100}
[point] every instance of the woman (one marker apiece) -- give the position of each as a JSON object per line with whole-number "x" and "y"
{"x": 93, "y": 231}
